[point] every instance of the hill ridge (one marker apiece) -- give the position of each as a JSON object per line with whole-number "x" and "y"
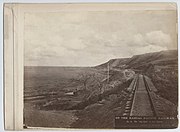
{"x": 142, "y": 60}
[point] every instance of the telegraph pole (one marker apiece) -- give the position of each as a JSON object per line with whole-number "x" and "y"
{"x": 108, "y": 73}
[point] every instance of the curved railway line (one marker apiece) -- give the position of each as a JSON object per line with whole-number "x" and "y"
{"x": 142, "y": 109}
{"x": 140, "y": 102}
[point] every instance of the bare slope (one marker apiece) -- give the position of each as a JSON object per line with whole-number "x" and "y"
{"x": 161, "y": 67}
{"x": 138, "y": 61}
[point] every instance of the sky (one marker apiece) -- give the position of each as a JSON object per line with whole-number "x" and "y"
{"x": 91, "y": 38}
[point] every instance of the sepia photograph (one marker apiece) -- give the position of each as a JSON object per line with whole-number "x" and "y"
{"x": 106, "y": 66}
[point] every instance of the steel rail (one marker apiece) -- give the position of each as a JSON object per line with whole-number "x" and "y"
{"x": 134, "y": 90}
{"x": 150, "y": 97}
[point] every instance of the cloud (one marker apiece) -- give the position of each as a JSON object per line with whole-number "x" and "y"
{"x": 92, "y": 38}
{"x": 147, "y": 49}
{"x": 139, "y": 40}
{"x": 74, "y": 44}
{"x": 157, "y": 38}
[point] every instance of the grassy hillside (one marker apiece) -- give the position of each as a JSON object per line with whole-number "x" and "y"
{"x": 161, "y": 67}
{"x": 114, "y": 63}
{"x": 66, "y": 89}
{"x": 85, "y": 98}
{"x": 138, "y": 61}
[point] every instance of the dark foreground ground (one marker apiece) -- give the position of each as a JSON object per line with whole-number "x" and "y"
{"x": 79, "y": 97}
{"x": 57, "y": 97}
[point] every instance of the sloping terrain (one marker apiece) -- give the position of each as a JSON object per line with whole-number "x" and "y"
{"x": 161, "y": 67}
{"x": 138, "y": 61}
{"x": 114, "y": 63}
{"x": 85, "y": 97}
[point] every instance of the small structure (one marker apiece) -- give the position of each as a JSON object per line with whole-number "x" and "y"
{"x": 70, "y": 93}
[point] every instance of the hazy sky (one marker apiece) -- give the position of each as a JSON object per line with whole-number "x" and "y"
{"x": 94, "y": 37}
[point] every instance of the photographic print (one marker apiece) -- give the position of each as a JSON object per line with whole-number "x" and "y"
{"x": 101, "y": 68}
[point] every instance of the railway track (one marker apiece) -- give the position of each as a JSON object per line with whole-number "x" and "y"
{"x": 139, "y": 102}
